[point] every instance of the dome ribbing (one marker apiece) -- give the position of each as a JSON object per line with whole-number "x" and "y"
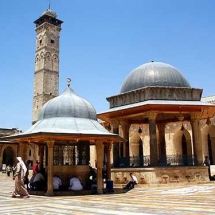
{"x": 154, "y": 74}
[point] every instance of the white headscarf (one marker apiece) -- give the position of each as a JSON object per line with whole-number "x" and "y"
{"x": 22, "y": 164}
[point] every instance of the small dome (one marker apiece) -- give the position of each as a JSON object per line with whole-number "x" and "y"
{"x": 154, "y": 74}
{"x": 49, "y": 12}
{"x": 68, "y": 104}
{"x": 68, "y": 113}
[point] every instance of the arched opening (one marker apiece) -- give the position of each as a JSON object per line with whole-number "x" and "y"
{"x": 210, "y": 154}
{"x": 184, "y": 145}
{"x": 208, "y": 140}
{"x": 141, "y": 153}
{"x": 184, "y": 150}
{"x": 121, "y": 149}
{"x": 8, "y": 156}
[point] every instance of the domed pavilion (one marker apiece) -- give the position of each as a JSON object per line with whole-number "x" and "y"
{"x": 155, "y": 95}
{"x": 66, "y": 129}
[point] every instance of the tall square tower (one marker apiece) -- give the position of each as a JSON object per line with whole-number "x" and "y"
{"x": 46, "y": 75}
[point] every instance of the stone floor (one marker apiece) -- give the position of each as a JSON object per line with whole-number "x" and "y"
{"x": 179, "y": 199}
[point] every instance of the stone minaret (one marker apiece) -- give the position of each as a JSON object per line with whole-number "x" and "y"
{"x": 46, "y": 75}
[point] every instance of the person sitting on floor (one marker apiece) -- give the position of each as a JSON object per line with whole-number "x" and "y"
{"x": 38, "y": 181}
{"x": 131, "y": 183}
{"x": 75, "y": 184}
{"x": 92, "y": 179}
{"x": 57, "y": 183}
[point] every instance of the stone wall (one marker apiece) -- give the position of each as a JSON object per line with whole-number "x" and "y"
{"x": 161, "y": 175}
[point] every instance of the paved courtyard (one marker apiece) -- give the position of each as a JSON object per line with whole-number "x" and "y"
{"x": 187, "y": 199}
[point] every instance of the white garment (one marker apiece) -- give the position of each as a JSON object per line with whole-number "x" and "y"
{"x": 134, "y": 179}
{"x": 24, "y": 168}
{"x": 75, "y": 184}
{"x": 56, "y": 183}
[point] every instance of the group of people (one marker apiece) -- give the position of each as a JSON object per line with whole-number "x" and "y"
{"x": 74, "y": 183}
{"x": 38, "y": 180}
{"x": 8, "y": 169}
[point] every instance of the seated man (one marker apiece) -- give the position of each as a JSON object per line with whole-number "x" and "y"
{"x": 75, "y": 184}
{"x": 91, "y": 182}
{"x": 131, "y": 183}
{"x": 57, "y": 183}
{"x": 38, "y": 181}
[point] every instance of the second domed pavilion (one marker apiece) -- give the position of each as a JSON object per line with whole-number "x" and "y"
{"x": 155, "y": 94}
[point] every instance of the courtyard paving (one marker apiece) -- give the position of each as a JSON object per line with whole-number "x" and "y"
{"x": 178, "y": 199}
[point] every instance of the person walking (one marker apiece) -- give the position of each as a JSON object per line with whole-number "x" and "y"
{"x": 26, "y": 179}
{"x": 8, "y": 170}
{"x": 19, "y": 179}
{"x": 14, "y": 169}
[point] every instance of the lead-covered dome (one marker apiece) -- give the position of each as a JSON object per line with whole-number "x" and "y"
{"x": 68, "y": 104}
{"x": 68, "y": 113}
{"x": 154, "y": 74}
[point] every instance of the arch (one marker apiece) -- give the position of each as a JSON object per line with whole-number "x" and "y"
{"x": 208, "y": 142}
{"x": 55, "y": 57}
{"x": 135, "y": 142}
{"x": 8, "y": 156}
{"x": 41, "y": 55}
{"x": 141, "y": 152}
{"x": 37, "y": 58}
{"x": 48, "y": 56}
{"x": 182, "y": 142}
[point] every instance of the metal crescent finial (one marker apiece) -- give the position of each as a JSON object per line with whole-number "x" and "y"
{"x": 68, "y": 81}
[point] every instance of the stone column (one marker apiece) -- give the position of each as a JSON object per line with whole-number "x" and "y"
{"x": 162, "y": 143}
{"x": 34, "y": 153}
{"x": 0, "y": 150}
{"x": 213, "y": 150}
{"x": 109, "y": 146}
{"x": 100, "y": 157}
{"x": 125, "y": 134}
{"x": 197, "y": 140}
{"x": 41, "y": 153}
{"x": 50, "y": 145}
{"x": 115, "y": 126}
{"x": 22, "y": 151}
{"x": 153, "y": 139}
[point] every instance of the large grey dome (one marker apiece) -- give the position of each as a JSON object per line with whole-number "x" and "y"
{"x": 154, "y": 74}
{"x": 68, "y": 104}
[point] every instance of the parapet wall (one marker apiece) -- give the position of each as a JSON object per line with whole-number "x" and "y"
{"x": 155, "y": 93}
{"x": 161, "y": 175}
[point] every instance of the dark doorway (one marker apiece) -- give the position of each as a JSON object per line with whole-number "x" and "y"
{"x": 210, "y": 154}
{"x": 141, "y": 152}
{"x": 8, "y": 156}
{"x": 184, "y": 151}
{"x": 184, "y": 145}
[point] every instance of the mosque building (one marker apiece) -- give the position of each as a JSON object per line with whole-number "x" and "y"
{"x": 158, "y": 126}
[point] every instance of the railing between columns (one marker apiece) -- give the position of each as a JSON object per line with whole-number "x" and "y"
{"x": 144, "y": 161}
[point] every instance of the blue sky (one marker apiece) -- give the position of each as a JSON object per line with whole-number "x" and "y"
{"x": 100, "y": 43}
